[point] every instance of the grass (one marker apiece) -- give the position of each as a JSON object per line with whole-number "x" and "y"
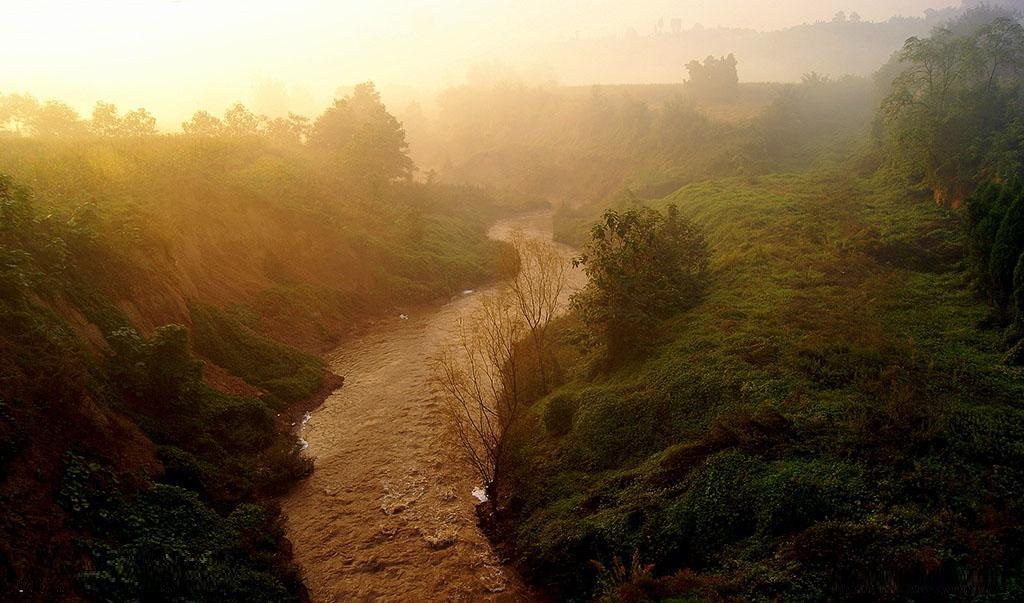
{"x": 830, "y": 412}
{"x": 288, "y": 375}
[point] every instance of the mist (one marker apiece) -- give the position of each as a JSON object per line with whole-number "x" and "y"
{"x": 657, "y": 300}
{"x": 175, "y": 56}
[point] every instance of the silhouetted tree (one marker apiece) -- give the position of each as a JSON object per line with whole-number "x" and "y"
{"x": 55, "y": 119}
{"x": 105, "y": 120}
{"x": 239, "y": 121}
{"x": 360, "y": 133}
{"x": 291, "y": 130}
{"x": 713, "y": 77}
{"x": 203, "y": 124}
{"x": 16, "y": 111}
{"x": 139, "y": 122}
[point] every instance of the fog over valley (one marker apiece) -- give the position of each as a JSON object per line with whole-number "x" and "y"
{"x": 511, "y": 302}
{"x": 174, "y": 56}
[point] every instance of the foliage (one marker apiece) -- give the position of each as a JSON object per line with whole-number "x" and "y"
{"x": 951, "y": 116}
{"x": 239, "y": 229}
{"x": 827, "y": 417}
{"x": 643, "y": 266}
{"x": 288, "y": 375}
{"x": 559, "y": 413}
{"x": 995, "y": 222}
{"x": 162, "y": 543}
{"x": 106, "y": 122}
{"x": 359, "y": 132}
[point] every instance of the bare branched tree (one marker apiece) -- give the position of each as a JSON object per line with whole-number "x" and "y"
{"x": 537, "y": 287}
{"x": 476, "y": 376}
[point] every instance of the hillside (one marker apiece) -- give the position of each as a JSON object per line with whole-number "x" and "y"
{"x": 831, "y": 408}
{"x": 162, "y": 301}
{"x": 581, "y": 149}
{"x": 704, "y": 341}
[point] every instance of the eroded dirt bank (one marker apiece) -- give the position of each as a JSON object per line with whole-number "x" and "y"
{"x": 388, "y": 514}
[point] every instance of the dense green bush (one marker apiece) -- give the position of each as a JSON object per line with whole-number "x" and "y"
{"x": 643, "y": 266}
{"x": 1018, "y": 298}
{"x": 1006, "y": 251}
{"x": 610, "y": 429}
{"x": 995, "y": 222}
{"x": 162, "y": 543}
{"x": 559, "y": 413}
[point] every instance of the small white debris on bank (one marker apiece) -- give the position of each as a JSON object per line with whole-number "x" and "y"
{"x": 480, "y": 494}
{"x": 469, "y": 292}
{"x": 303, "y": 444}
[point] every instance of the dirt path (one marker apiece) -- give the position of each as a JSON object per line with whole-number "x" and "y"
{"x": 388, "y": 514}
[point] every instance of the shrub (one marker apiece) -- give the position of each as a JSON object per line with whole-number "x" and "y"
{"x": 610, "y": 429}
{"x": 1006, "y": 249}
{"x": 159, "y": 542}
{"x": 559, "y": 413}
{"x": 643, "y": 266}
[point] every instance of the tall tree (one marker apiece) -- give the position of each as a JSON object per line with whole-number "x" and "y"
{"x": 55, "y": 119}
{"x": 949, "y": 107}
{"x": 203, "y": 124}
{"x": 16, "y": 111}
{"x": 368, "y": 141}
{"x": 105, "y": 120}
{"x": 139, "y": 122}
{"x": 240, "y": 121}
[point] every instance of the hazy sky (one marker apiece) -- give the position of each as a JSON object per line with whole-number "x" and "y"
{"x": 171, "y": 54}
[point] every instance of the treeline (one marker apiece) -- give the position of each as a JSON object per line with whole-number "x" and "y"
{"x": 843, "y": 45}
{"x": 24, "y": 115}
{"x": 160, "y": 297}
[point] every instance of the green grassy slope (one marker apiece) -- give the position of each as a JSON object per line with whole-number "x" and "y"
{"x": 831, "y": 417}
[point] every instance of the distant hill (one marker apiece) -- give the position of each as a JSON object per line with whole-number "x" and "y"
{"x": 849, "y": 46}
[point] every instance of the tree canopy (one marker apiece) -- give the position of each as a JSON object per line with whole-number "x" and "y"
{"x": 362, "y": 135}
{"x": 643, "y": 266}
{"x": 952, "y": 115}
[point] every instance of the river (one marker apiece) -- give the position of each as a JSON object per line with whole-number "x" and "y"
{"x": 389, "y": 512}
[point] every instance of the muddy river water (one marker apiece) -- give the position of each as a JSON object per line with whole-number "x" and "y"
{"x": 388, "y": 514}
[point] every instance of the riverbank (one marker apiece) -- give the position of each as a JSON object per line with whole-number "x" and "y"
{"x": 389, "y": 514}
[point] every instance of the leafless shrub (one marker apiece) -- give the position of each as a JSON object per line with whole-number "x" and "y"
{"x": 476, "y": 376}
{"x": 537, "y": 288}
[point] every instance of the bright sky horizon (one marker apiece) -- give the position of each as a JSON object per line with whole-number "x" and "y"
{"x": 174, "y": 56}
